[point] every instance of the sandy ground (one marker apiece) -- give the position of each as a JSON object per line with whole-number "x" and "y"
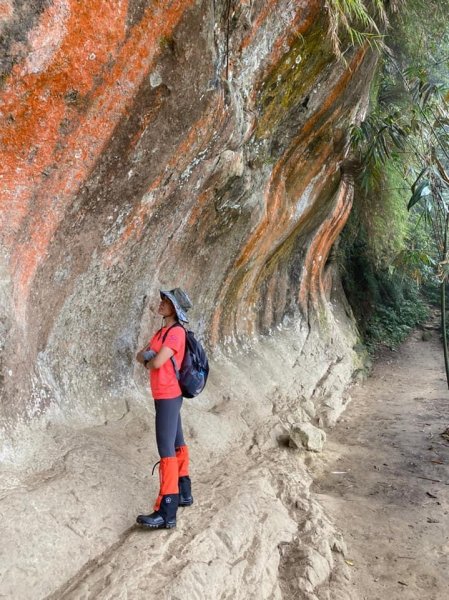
{"x": 254, "y": 531}
{"x": 383, "y": 478}
{"x": 365, "y": 519}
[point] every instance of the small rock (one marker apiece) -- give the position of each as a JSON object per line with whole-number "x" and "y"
{"x": 308, "y": 436}
{"x": 338, "y": 545}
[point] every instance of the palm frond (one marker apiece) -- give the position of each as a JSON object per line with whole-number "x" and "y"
{"x": 357, "y": 20}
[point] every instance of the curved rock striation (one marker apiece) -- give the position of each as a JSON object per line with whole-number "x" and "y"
{"x": 148, "y": 144}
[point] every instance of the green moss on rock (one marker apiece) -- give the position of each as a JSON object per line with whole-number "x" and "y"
{"x": 292, "y": 78}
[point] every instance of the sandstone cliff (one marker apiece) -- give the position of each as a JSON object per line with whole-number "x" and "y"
{"x": 150, "y": 144}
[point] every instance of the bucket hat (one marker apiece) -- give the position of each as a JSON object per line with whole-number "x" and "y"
{"x": 180, "y": 301}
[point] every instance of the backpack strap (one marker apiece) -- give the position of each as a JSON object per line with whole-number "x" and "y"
{"x": 164, "y": 337}
{"x": 173, "y": 362}
{"x": 158, "y": 333}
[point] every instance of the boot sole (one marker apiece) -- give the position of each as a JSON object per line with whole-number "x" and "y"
{"x": 185, "y": 503}
{"x": 168, "y": 526}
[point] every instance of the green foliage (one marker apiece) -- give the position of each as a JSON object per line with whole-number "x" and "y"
{"x": 417, "y": 28}
{"x": 386, "y": 302}
{"x": 388, "y": 208}
{"x": 381, "y": 209}
{"x": 394, "y": 249}
{"x": 390, "y": 324}
{"x": 378, "y": 142}
{"x": 419, "y": 36}
{"x": 357, "y": 21}
{"x": 432, "y": 293}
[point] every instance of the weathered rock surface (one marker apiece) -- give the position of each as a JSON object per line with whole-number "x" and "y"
{"x": 150, "y": 144}
{"x": 145, "y": 145}
{"x": 308, "y": 436}
{"x": 254, "y": 530}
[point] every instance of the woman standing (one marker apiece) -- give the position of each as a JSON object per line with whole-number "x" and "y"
{"x": 165, "y": 350}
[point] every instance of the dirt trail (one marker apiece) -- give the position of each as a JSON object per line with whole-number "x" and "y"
{"x": 384, "y": 478}
{"x": 365, "y": 519}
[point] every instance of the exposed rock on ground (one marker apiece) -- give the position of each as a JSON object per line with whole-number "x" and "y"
{"x": 307, "y": 435}
{"x": 73, "y": 508}
{"x": 373, "y": 524}
{"x": 365, "y": 519}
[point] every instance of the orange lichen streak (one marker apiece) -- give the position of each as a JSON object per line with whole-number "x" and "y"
{"x": 312, "y": 287}
{"x": 197, "y": 137}
{"x": 290, "y": 178}
{"x": 60, "y": 106}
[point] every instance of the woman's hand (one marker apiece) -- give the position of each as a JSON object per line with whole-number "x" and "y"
{"x": 144, "y": 355}
{"x": 147, "y": 356}
{"x": 157, "y": 360}
{"x": 139, "y": 356}
{"x": 161, "y": 357}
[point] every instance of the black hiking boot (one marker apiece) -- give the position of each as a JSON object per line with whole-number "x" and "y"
{"x": 165, "y": 517}
{"x": 185, "y": 491}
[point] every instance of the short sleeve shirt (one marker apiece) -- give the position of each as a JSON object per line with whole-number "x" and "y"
{"x": 163, "y": 381}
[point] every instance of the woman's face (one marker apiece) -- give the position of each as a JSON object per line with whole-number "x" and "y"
{"x": 166, "y": 308}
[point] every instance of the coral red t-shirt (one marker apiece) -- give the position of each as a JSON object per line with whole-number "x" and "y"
{"x": 163, "y": 381}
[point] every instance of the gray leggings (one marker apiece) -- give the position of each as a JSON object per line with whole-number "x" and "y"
{"x": 168, "y": 426}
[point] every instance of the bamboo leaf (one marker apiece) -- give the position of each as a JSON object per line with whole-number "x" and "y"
{"x": 418, "y": 178}
{"x": 422, "y": 190}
